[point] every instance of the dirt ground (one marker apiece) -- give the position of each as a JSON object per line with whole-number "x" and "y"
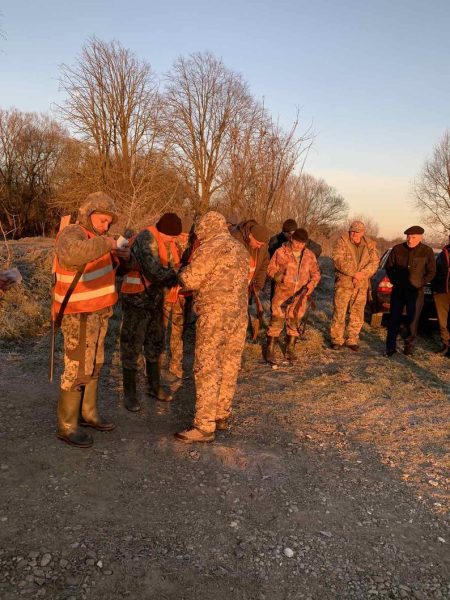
{"x": 332, "y": 484}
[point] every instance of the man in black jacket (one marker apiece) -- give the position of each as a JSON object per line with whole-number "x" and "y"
{"x": 409, "y": 266}
{"x": 441, "y": 296}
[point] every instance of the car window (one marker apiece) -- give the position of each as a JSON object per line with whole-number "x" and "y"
{"x": 384, "y": 258}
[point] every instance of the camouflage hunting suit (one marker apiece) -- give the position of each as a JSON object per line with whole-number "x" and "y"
{"x": 351, "y": 296}
{"x": 83, "y": 333}
{"x": 218, "y": 276}
{"x": 291, "y": 276}
{"x": 142, "y": 329}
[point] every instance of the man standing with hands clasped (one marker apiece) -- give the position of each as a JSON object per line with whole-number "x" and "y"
{"x": 356, "y": 259}
{"x": 409, "y": 267}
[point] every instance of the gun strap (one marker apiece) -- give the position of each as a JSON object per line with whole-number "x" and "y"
{"x": 66, "y": 299}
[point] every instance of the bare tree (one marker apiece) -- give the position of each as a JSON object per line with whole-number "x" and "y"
{"x": 432, "y": 189}
{"x": 314, "y": 204}
{"x": 113, "y": 106}
{"x": 261, "y": 161}
{"x": 203, "y": 98}
{"x": 31, "y": 147}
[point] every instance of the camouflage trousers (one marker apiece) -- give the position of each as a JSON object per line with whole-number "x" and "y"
{"x": 282, "y": 309}
{"x": 174, "y": 314}
{"x": 351, "y": 300}
{"x": 142, "y": 332}
{"x": 84, "y": 336}
{"x": 219, "y": 345}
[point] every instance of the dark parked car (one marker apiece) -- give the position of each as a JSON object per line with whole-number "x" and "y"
{"x": 380, "y": 291}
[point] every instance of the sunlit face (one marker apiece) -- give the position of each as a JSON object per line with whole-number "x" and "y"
{"x": 254, "y": 243}
{"x": 356, "y": 236}
{"x": 297, "y": 246}
{"x": 101, "y": 222}
{"x": 413, "y": 240}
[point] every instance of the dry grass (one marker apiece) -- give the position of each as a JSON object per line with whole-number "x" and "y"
{"x": 25, "y": 309}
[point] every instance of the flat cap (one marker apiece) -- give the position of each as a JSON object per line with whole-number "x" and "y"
{"x": 357, "y": 227}
{"x": 414, "y": 230}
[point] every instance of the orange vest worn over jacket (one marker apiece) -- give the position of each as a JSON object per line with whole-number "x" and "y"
{"x": 251, "y": 273}
{"x": 134, "y": 282}
{"x": 95, "y": 290}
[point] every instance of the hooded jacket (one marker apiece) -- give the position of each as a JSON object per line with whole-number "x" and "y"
{"x": 261, "y": 255}
{"x": 73, "y": 248}
{"x": 218, "y": 271}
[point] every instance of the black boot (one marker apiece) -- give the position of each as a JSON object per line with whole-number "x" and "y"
{"x": 89, "y": 414}
{"x": 69, "y": 403}
{"x": 129, "y": 390}
{"x": 270, "y": 350}
{"x": 154, "y": 382}
{"x": 290, "y": 348}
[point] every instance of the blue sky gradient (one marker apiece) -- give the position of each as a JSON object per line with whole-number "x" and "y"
{"x": 371, "y": 77}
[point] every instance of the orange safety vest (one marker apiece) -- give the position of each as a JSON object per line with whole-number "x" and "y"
{"x": 95, "y": 290}
{"x": 134, "y": 282}
{"x": 251, "y": 273}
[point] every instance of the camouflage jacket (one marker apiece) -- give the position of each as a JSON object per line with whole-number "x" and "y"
{"x": 293, "y": 274}
{"x": 73, "y": 248}
{"x": 218, "y": 271}
{"x": 145, "y": 256}
{"x": 345, "y": 262}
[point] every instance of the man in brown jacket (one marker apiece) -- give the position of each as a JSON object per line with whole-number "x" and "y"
{"x": 356, "y": 260}
{"x": 254, "y": 238}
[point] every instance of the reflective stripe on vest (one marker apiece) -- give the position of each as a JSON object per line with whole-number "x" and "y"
{"x": 133, "y": 283}
{"x": 95, "y": 290}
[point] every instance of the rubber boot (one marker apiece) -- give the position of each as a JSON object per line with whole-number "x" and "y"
{"x": 290, "y": 348}
{"x": 69, "y": 403}
{"x": 270, "y": 351}
{"x": 89, "y": 414}
{"x": 154, "y": 382}
{"x": 129, "y": 390}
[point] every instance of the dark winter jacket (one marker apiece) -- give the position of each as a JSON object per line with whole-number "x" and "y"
{"x": 441, "y": 283}
{"x": 262, "y": 255}
{"x": 410, "y": 268}
{"x": 278, "y": 240}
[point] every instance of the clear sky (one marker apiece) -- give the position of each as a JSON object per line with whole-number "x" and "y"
{"x": 370, "y": 76}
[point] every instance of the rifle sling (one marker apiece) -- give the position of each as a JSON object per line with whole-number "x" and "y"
{"x": 66, "y": 299}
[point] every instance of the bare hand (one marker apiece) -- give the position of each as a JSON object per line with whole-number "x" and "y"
{"x": 358, "y": 277}
{"x": 123, "y": 253}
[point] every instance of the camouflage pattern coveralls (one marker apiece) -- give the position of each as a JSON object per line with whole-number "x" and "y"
{"x": 292, "y": 275}
{"x": 218, "y": 276}
{"x": 174, "y": 312}
{"x": 142, "y": 329}
{"x": 350, "y": 295}
{"x": 84, "y": 333}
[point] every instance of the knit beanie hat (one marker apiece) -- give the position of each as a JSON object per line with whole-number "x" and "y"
{"x": 289, "y": 225}
{"x": 169, "y": 224}
{"x": 260, "y": 233}
{"x": 300, "y": 235}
